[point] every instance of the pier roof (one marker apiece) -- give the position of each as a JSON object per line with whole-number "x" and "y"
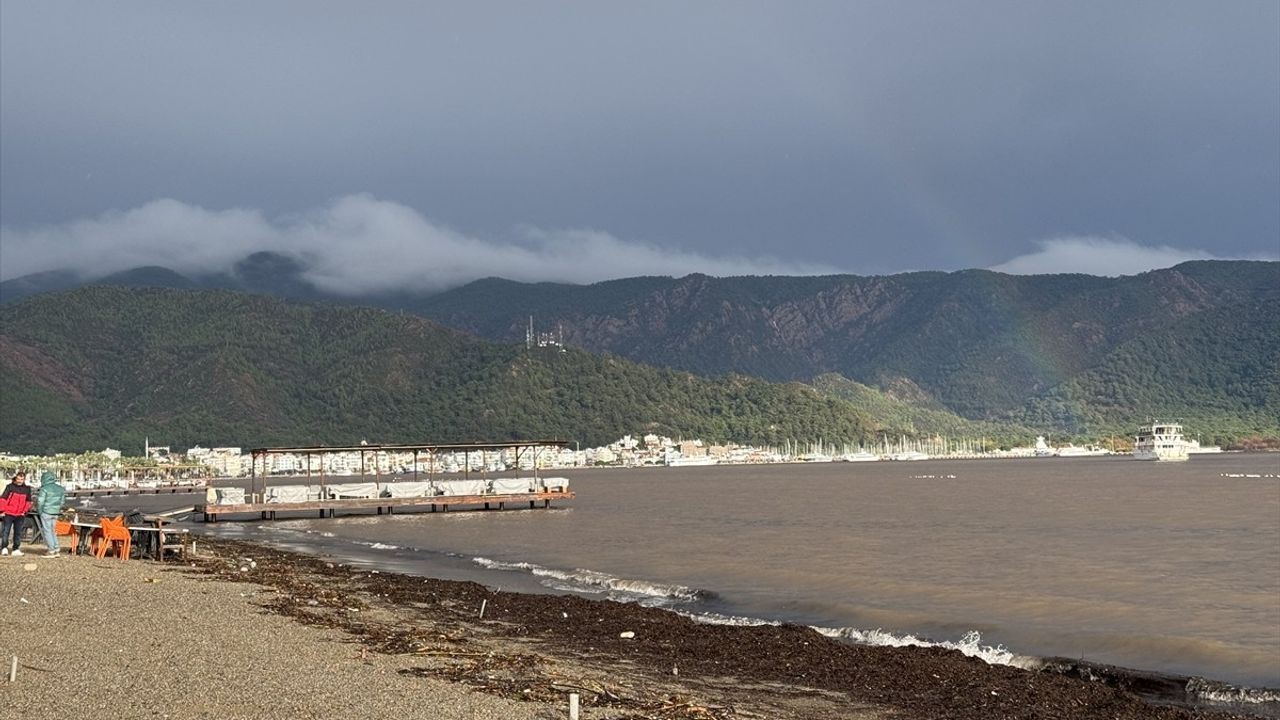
{"x": 428, "y": 447}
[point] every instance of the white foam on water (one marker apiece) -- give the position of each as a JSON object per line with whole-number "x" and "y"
{"x": 711, "y": 618}
{"x": 970, "y": 645}
{"x": 595, "y": 583}
{"x": 1212, "y": 691}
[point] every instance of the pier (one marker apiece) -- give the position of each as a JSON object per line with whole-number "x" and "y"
{"x": 434, "y": 503}
{"x": 318, "y": 493}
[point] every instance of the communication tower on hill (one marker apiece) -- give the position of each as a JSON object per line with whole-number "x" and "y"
{"x": 533, "y": 338}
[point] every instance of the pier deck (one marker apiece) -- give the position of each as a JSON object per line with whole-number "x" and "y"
{"x": 113, "y": 492}
{"x": 327, "y": 508}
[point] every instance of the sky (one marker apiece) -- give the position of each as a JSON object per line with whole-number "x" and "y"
{"x": 424, "y": 145}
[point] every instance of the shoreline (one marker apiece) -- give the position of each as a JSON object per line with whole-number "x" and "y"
{"x": 786, "y": 670}
{"x": 923, "y": 682}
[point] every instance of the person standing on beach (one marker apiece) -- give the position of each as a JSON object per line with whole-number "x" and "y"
{"x": 49, "y": 501}
{"x": 15, "y": 501}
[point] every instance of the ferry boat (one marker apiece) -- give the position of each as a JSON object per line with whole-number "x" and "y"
{"x": 1160, "y": 441}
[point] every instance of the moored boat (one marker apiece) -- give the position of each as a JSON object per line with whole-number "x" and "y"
{"x": 1078, "y": 451}
{"x": 694, "y": 461}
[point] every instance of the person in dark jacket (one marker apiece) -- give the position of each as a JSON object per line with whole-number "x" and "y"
{"x": 15, "y": 501}
{"x": 49, "y": 499}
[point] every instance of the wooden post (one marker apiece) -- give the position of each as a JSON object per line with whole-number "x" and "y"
{"x": 13, "y": 669}
{"x": 573, "y": 706}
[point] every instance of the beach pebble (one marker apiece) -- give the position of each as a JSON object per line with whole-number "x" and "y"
{"x": 626, "y": 635}
{"x": 30, "y": 567}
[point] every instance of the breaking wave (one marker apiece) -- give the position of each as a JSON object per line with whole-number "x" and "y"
{"x": 592, "y": 582}
{"x": 1220, "y": 692}
{"x": 970, "y": 645}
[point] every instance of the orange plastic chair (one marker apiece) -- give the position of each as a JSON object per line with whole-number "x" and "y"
{"x": 112, "y": 535}
{"x": 62, "y": 528}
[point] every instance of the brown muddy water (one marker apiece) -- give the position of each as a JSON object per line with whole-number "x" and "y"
{"x": 1167, "y": 567}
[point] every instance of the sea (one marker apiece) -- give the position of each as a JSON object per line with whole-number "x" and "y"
{"x": 1168, "y": 567}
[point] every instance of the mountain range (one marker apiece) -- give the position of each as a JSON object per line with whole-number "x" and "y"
{"x": 99, "y": 366}
{"x": 1066, "y": 353}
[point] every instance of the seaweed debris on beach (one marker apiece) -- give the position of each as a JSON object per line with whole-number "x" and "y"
{"x": 627, "y": 660}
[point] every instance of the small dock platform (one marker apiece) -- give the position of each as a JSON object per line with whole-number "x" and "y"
{"x": 388, "y": 505}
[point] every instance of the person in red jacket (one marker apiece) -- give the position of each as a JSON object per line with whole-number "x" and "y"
{"x": 15, "y": 501}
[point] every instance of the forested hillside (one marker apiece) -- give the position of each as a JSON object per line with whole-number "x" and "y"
{"x": 111, "y": 366}
{"x": 1218, "y": 371}
{"x": 977, "y": 343}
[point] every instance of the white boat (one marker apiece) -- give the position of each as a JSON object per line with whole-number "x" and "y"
{"x": 1042, "y": 448}
{"x": 695, "y": 461}
{"x": 860, "y": 456}
{"x": 1077, "y": 451}
{"x": 1160, "y": 441}
{"x": 908, "y": 456}
{"x": 1195, "y": 448}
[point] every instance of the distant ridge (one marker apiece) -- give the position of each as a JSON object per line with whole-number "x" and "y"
{"x": 980, "y": 344}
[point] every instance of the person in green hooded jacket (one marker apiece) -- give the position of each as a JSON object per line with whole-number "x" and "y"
{"x": 49, "y": 501}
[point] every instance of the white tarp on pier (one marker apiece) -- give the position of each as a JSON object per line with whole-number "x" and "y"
{"x": 353, "y": 490}
{"x": 555, "y": 483}
{"x": 291, "y": 494}
{"x": 462, "y": 487}
{"x": 512, "y": 486}
{"x": 231, "y": 496}
{"x": 408, "y": 489}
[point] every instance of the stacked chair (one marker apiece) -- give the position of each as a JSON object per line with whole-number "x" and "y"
{"x": 111, "y": 535}
{"x": 62, "y": 528}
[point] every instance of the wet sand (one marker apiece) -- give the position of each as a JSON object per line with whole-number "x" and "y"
{"x": 314, "y": 638}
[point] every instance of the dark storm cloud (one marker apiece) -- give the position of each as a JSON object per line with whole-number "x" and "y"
{"x": 869, "y": 137}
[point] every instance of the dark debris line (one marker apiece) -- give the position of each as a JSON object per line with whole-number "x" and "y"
{"x": 920, "y": 682}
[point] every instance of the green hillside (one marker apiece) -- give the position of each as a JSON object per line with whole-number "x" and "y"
{"x": 980, "y": 344}
{"x": 111, "y": 366}
{"x": 1217, "y": 371}
{"x": 897, "y": 413}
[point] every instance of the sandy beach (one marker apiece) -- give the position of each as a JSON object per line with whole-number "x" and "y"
{"x": 245, "y": 631}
